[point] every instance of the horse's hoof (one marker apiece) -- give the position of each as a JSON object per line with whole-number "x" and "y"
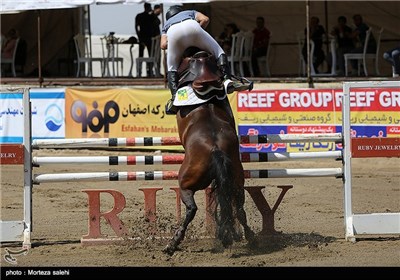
{"x": 169, "y": 250}
{"x": 253, "y": 243}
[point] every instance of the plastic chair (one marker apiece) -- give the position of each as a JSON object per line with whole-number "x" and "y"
{"x": 11, "y": 60}
{"x": 235, "y": 54}
{"x": 246, "y": 51}
{"x": 302, "y": 62}
{"x": 84, "y": 56}
{"x": 362, "y": 57}
{"x": 110, "y": 51}
{"x": 374, "y": 56}
{"x": 332, "y": 49}
{"x": 153, "y": 58}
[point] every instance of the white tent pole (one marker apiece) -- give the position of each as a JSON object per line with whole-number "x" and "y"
{"x": 90, "y": 38}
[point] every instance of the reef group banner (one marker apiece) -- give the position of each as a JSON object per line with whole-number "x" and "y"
{"x": 374, "y": 113}
{"x": 117, "y": 113}
{"x": 127, "y": 112}
{"x": 47, "y": 115}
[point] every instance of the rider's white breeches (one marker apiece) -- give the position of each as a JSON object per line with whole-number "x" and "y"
{"x": 186, "y": 34}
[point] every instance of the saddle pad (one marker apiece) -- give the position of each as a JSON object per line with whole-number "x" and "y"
{"x": 185, "y": 96}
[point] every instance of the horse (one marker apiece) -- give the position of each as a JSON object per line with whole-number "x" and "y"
{"x": 208, "y": 134}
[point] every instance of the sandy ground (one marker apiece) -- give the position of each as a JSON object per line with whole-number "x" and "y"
{"x": 309, "y": 220}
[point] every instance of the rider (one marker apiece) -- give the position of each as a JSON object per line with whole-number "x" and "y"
{"x": 184, "y": 29}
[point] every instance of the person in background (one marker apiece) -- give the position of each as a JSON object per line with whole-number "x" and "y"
{"x": 2, "y": 41}
{"x": 156, "y": 20}
{"x": 144, "y": 26}
{"x": 225, "y": 38}
{"x": 393, "y": 56}
{"x": 156, "y": 27}
{"x": 359, "y": 35}
{"x": 260, "y": 43}
{"x": 343, "y": 35}
{"x": 10, "y": 43}
{"x": 317, "y": 32}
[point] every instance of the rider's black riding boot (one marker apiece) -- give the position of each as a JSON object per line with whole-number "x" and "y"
{"x": 230, "y": 86}
{"x": 223, "y": 66}
{"x": 173, "y": 79}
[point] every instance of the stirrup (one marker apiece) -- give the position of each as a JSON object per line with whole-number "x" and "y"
{"x": 239, "y": 85}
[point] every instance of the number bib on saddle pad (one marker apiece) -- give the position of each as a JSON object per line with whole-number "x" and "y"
{"x": 186, "y": 96}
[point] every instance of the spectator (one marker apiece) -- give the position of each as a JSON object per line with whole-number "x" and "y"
{"x": 343, "y": 35}
{"x": 10, "y": 43}
{"x": 359, "y": 35}
{"x": 393, "y": 56}
{"x": 225, "y": 39}
{"x": 156, "y": 21}
{"x": 144, "y": 29}
{"x": 260, "y": 43}
{"x": 221, "y": 38}
{"x": 156, "y": 27}
{"x": 317, "y": 32}
{"x": 2, "y": 41}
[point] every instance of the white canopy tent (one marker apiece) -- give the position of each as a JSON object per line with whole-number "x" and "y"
{"x": 284, "y": 18}
{"x": 16, "y": 6}
{"x": 8, "y": 6}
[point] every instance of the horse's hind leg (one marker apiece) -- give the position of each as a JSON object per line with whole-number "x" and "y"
{"x": 187, "y": 197}
{"x": 241, "y": 216}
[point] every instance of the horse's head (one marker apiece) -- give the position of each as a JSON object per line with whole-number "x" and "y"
{"x": 199, "y": 68}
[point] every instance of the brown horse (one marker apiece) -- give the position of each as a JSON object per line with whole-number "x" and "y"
{"x": 208, "y": 135}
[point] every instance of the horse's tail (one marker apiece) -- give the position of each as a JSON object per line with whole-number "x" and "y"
{"x": 224, "y": 189}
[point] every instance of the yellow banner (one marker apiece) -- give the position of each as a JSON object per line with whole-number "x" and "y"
{"x": 117, "y": 113}
{"x": 323, "y": 117}
{"x": 286, "y": 118}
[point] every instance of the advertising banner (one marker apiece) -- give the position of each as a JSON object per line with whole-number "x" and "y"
{"x": 121, "y": 112}
{"x": 47, "y": 115}
{"x": 374, "y": 113}
{"x": 126, "y": 112}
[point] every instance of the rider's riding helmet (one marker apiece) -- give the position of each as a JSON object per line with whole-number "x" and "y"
{"x": 173, "y": 10}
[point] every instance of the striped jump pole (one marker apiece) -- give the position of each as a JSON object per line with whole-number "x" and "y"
{"x": 106, "y": 142}
{"x": 175, "y": 141}
{"x": 178, "y": 159}
{"x": 284, "y": 156}
{"x": 173, "y": 175}
{"x": 289, "y": 138}
{"x": 111, "y": 160}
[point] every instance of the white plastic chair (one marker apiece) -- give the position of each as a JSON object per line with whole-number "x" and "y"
{"x": 246, "y": 51}
{"x": 362, "y": 57}
{"x": 374, "y": 56}
{"x": 234, "y": 56}
{"x": 332, "y": 50}
{"x": 302, "y": 62}
{"x": 84, "y": 56}
{"x": 153, "y": 58}
{"x": 11, "y": 60}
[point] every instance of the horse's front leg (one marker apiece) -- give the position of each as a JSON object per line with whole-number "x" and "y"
{"x": 187, "y": 198}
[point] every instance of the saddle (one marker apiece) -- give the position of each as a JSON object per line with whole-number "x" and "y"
{"x": 202, "y": 72}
